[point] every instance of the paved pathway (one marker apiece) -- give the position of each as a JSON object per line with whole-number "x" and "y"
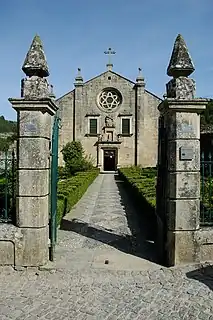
{"x": 102, "y": 273}
{"x": 104, "y": 227}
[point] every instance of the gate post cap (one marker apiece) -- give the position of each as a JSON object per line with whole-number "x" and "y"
{"x": 35, "y": 63}
{"x": 180, "y": 64}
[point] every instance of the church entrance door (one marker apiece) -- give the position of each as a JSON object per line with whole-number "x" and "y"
{"x": 109, "y": 160}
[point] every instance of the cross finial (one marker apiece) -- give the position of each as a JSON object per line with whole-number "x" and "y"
{"x": 109, "y": 52}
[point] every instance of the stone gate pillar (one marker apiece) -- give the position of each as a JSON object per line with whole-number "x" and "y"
{"x": 181, "y": 114}
{"x": 34, "y": 111}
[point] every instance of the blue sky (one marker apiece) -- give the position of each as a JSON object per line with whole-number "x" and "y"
{"x": 76, "y": 34}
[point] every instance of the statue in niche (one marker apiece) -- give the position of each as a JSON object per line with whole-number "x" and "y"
{"x": 109, "y": 122}
{"x": 99, "y": 137}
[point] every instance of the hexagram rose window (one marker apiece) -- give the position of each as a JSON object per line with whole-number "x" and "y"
{"x": 109, "y": 99}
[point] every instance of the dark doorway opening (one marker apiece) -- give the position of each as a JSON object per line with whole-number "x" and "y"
{"x": 109, "y": 160}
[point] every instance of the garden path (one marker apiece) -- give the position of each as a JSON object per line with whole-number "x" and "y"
{"x": 102, "y": 230}
{"x": 80, "y": 286}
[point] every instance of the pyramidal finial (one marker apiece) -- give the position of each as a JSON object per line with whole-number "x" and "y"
{"x": 180, "y": 63}
{"x": 35, "y": 63}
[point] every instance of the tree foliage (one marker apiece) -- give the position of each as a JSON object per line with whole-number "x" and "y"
{"x": 207, "y": 115}
{"x": 7, "y": 126}
{"x": 5, "y": 143}
{"x": 74, "y": 158}
{"x": 8, "y": 133}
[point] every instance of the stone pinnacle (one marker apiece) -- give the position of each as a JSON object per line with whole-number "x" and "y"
{"x": 79, "y": 76}
{"x": 140, "y": 76}
{"x": 180, "y": 63}
{"x": 35, "y": 63}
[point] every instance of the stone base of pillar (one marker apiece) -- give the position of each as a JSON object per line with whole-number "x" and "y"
{"x": 33, "y": 250}
{"x": 26, "y": 247}
{"x": 182, "y": 248}
{"x": 160, "y": 241}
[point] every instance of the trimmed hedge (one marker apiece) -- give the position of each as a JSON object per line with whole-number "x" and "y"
{"x": 71, "y": 190}
{"x": 140, "y": 184}
{"x": 142, "y": 181}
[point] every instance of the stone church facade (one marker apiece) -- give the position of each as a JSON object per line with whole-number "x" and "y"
{"x": 115, "y": 119}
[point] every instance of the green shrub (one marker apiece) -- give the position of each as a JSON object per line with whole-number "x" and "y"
{"x": 74, "y": 158}
{"x": 206, "y": 192}
{"x": 62, "y": 173}
{"x": 71, "y": 190}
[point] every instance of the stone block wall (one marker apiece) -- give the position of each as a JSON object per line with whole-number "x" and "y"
{"x": 76, "y": 106}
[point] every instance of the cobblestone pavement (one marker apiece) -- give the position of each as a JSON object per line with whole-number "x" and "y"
{"x": 102, "y": 273}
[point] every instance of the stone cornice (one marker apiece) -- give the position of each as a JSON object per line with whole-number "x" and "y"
{"x": 125, "y": 114}
{"x": 44, "y": 105}
{"x": 109, "y": 144}
{"x": 183, "y": 105}
{"x": 95, "y": 114}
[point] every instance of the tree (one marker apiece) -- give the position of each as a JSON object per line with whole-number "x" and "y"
{"x": 207, "y": 115}
{"x": 4, "y": 144}
{"x": 7, "y": 126}
{"x": 75, "y": 161}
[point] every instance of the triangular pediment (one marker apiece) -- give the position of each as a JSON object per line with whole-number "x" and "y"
{"x": 100, "y": 76}
{"x": 110, "y": 72}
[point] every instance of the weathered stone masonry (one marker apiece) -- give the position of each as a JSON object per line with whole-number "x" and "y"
{"x": 180, "y": 239}
{"x": 26, "y": 244}
{"x": 137, "y": 104}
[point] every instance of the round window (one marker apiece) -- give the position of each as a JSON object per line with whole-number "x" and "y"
{"x": 109, "y": 99}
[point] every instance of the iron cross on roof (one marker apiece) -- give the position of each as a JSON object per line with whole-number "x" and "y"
{"x": 109, "y": 52}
